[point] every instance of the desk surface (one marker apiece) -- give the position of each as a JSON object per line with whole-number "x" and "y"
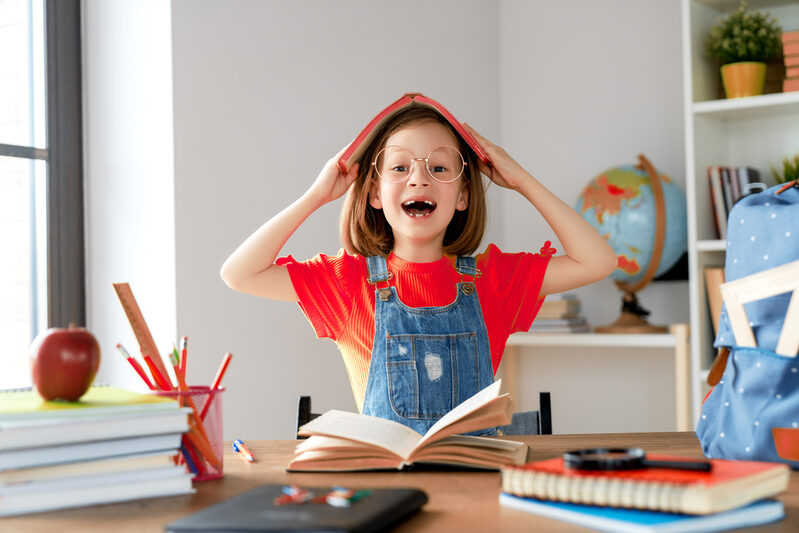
{"x": 458, "y": 501}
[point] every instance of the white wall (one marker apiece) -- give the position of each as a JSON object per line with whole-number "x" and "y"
{"x": 264, "y": 92}
{"x": 129, "y": 184}
{"x": 586, "y": 86}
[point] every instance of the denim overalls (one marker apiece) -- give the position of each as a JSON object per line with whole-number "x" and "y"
{"x": 425, "y": 360}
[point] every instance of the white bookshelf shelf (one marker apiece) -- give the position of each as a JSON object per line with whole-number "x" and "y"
{"x": 657, "y": 340}
{"x": 763, "y": 106}
{"x": 716, "y": 245}
{"x": 676, "y": 341}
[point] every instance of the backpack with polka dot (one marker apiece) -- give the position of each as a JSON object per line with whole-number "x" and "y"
{"x": 752, "y": 413}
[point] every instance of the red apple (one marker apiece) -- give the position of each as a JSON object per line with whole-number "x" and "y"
{"x": 64, "y": 362}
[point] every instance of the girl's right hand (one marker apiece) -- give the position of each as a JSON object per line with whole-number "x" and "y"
{"x": 331, "y": 183}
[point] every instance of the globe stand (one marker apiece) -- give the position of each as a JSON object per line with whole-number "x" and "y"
{"x": 633, "y": 316}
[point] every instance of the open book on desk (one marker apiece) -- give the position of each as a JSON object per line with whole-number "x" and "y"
{"x": 341, "y": 441}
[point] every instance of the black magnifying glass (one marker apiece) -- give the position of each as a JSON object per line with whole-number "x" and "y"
{"x": 624, "y": 459}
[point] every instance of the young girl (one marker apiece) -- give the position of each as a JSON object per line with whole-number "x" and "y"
{"x": 421, "y": 325}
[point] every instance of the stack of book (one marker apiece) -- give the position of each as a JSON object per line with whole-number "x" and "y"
{"x": 112, "y": 445}
{"x": 733, "y": 494}
{"x": 790, "y": 49}
{"x": 560, "y": 313}
{"x": 727, "y": 186}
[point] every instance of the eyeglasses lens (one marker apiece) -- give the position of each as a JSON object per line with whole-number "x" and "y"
{"x": 443, "y": 164}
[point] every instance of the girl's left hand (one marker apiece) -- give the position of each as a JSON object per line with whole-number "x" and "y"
{"x": 504, "y": 170}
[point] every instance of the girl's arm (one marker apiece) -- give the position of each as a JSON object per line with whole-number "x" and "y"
{"x": 588, "y": 257}
{"x": 251, "y": 269}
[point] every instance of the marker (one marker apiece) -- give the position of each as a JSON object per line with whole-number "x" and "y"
{"x": 242, "y": 450}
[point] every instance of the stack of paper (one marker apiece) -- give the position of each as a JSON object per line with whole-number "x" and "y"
{"x": 560, "y": 313}
{"x": 112, "y": 445}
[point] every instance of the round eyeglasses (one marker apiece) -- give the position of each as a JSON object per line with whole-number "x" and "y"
{"x": 395, "y": 163}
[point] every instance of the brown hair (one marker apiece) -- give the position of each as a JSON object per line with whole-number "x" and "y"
{"x": 365, "y": 230}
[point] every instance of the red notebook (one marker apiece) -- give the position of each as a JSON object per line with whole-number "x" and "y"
{"x": 355, "y": 150}
{"x": 728, "y": 485}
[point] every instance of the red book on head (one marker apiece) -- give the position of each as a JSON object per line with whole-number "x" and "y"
{"x": 356, "y": 149}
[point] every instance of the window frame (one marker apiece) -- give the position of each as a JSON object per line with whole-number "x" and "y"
{"x": 66, "y": 285}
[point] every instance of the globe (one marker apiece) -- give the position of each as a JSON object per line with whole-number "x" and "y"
{"x": 623, "y": 206}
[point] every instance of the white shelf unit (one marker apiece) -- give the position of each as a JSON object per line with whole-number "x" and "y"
{"x": 676, "y": 341}
{"x": 758, "y": 131}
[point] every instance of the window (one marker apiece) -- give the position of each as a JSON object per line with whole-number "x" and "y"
{"x": 41, "y": 178}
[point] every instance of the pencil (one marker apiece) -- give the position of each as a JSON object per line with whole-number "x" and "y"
{"x": 205, "y": 445}
{"x": 215, "y": 384}
{"x": 221, "y": 372}
{"x": 159, "y": 379}
{"x": 136, "y": 366}
{"x": 184, "y": 351}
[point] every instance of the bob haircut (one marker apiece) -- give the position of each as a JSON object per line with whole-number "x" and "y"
{"x": 364, "y": 230}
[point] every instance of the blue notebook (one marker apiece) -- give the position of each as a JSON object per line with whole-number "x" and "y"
{"x": 618, "y": 520}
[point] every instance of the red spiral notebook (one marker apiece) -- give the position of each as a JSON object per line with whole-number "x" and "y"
{"x": 728, "y": 485}
{"x": 356, "y": 149}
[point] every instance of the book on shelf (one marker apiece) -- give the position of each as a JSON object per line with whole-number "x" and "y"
{"x": 728, "y": 185}
{"x": 792, "y": 60}
{"x": 790, "y": 84}
{"x": 717, "y": 201}
{"x": 344, "y": 441}
{"x": 714, "y": 277}
{"x": 792, "y": 72}
{"x": 559, "y": 306}
{"x": 728, "y": 485}
{"x": 560, "y": 325}
{"x": 93, "y": 489}
{"x": 618, "y": 520}
{"x": 791, "y": 36}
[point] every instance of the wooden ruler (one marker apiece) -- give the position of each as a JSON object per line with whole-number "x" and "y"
{"x": 139, "y": 326}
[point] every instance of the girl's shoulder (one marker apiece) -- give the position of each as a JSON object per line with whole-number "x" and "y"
{"x": 494, "y": 260}
{"x": 343, "y": 265}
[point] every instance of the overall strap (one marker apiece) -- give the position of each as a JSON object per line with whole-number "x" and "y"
{"x": 378, "y": 270}
{"x": 467, "y": 266}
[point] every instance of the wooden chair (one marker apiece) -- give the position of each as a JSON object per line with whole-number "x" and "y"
{"x": 523, "y": 423}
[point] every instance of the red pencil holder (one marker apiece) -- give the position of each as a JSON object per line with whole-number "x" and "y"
{"x": 201, "y": 447}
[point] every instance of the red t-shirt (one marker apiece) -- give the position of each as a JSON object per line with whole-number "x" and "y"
{"x": 339, "y": 303}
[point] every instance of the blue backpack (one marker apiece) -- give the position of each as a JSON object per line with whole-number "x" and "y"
{"x": 759, "y": 389}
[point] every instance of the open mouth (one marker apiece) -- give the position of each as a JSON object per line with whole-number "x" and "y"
{"x": 418, "y": 208}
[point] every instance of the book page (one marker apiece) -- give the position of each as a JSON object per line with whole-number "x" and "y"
{"x": 366, "y": 429}
{"x": 465, "y": 408}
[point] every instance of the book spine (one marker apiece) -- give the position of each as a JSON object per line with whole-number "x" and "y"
{"x": 790, "y": 85}
{"x": 717, "y": 202}
{"x": 790, "y": 36}
{"x": 790, "y": 48}
{"x": 594, "y": 490}
{"x": 792, "y": 60}
{"x": 792, "y": 72}
{"x": 726, "y": 186}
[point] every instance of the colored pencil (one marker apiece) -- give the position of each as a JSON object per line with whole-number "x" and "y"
{"x": 184, "y": 351}
{"x": 136, "y": 366}
{"x": 215, "y": 384}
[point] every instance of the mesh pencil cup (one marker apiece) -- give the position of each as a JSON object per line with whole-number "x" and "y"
{"x": 201, "y": 446}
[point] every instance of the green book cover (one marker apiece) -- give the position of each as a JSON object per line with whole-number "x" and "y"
{"x": 99, "y": 400}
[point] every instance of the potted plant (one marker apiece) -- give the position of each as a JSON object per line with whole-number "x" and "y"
{"x": 790, "y": 170}
{"x": 743, "y": 41}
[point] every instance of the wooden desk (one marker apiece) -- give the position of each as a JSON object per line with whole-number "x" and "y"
{"x": 458, "y": 502}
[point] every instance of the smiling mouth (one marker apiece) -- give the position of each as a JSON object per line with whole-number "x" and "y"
{"x": 418, "y": 208}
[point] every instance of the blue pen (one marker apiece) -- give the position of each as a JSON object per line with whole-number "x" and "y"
{"x": 189, "y": 462}
{"x": 244, "y": 452}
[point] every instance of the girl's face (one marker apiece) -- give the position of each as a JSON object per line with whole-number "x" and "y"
{"x": 419, "y": 208}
